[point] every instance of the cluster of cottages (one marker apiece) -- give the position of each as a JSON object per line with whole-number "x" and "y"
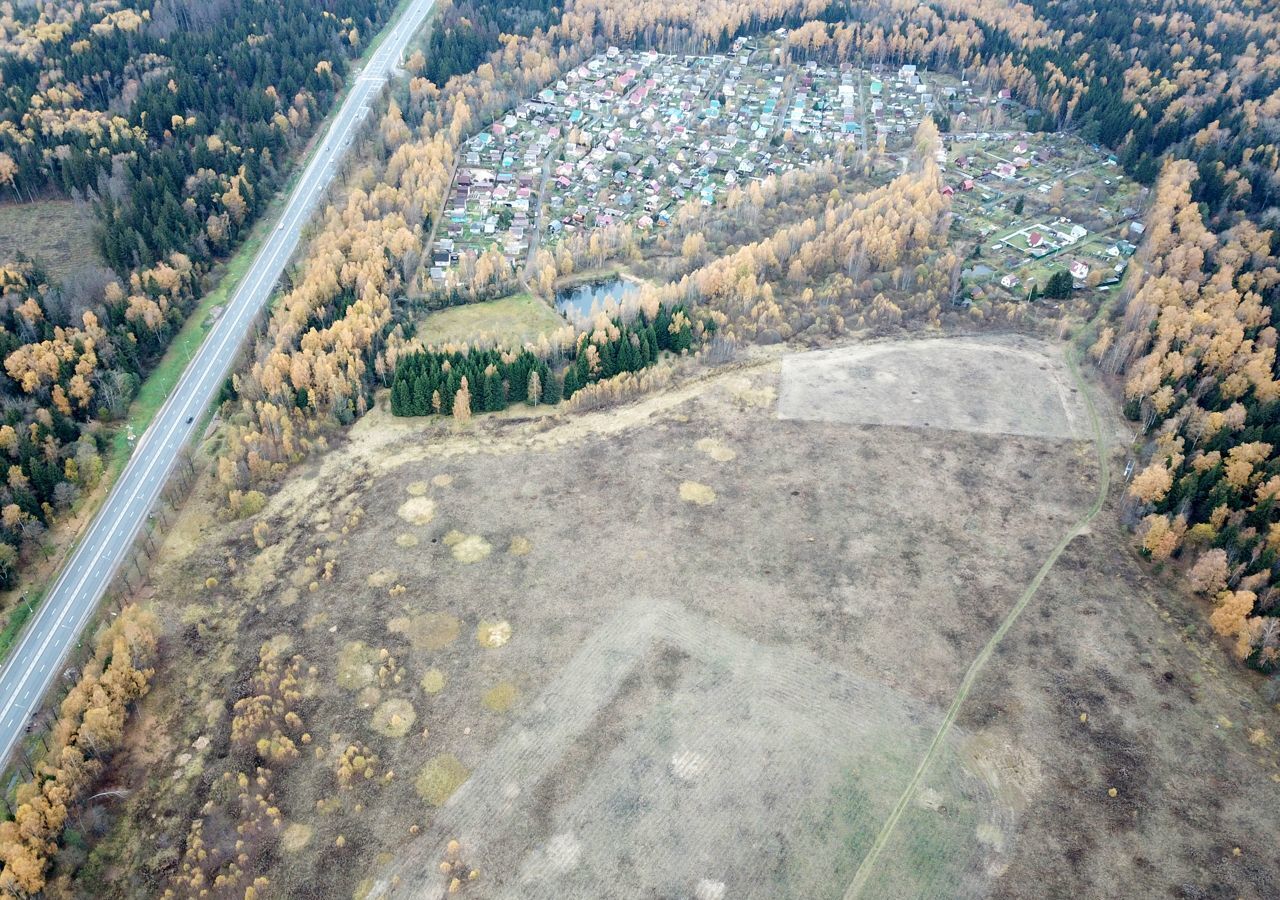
{"x": 628, "y": 136}
{"x": 1039, "y": 241}
{"x": 644, "y": 143}
{"x": 898, "y": 103}
{"x": 493, "y": 199}
{"x": 997, "y": 168}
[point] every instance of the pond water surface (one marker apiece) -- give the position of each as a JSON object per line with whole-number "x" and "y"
{"x": 585, "y": 299}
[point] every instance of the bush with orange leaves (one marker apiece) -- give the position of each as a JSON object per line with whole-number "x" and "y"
{"x": 89, "y": 728}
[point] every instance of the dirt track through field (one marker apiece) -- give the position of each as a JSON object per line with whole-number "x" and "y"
{"x": 819, "y": 723}
{"x": 867, "y": 867}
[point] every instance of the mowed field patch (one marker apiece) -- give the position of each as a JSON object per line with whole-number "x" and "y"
{"x": 509, "y": 321}
{"x": 992, "y": 385}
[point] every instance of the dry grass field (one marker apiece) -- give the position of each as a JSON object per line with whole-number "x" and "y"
{"x": 699, "y": 646}
{"x": 507, "y": 321}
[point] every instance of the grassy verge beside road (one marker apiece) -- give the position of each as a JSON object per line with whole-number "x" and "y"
{"x": 161, "y": 381}
{"x": 12, "y": 628}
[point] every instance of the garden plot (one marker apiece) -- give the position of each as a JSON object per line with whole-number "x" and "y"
{"x": 993, "y": 386}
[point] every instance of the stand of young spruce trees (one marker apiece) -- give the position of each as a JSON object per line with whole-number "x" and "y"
{"x": 426, "y": 383}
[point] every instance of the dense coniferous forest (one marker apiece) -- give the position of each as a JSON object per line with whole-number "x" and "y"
{"x": 427, "y": 382}
{"x": 467, "y": 32}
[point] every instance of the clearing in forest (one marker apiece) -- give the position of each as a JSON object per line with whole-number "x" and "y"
{"x": 1003, "y": 385}
{"x": 506, "y": 322}
{"x": 58, "y": 234}
{"x": 698, "y": 645}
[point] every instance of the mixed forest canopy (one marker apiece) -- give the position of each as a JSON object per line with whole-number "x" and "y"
{"x": 174, "y": 122}
{"x": 1152, "y": 82}
{"x": 174, "y": 117}
{"x": 468, "y": 31}
{"x": 428, "y": 382}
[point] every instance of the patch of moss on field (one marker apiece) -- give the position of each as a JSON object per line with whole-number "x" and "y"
{"x": 439, "y": 778}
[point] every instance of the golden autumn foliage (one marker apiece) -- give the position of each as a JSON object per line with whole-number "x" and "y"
{"x": 89, "y": 727}
{"x": 1209, "y": 574}
{"x": 219, "y": 855}
{"x": 1233, "y": 608}
{"x": 1198, "y": 351}
{"x": 265, "y": 720}
{"x": 1152, "y": 483}
{"x": 1160, "y": 536}
{"x": 618, "y": 389}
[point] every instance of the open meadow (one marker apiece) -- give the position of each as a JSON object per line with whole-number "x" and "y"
{"x": 508, "y": 321}
{"x": 705, "y": 645}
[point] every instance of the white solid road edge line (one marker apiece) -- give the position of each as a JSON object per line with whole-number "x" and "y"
{"x": 241, "y": 302}
{"x": 297, "y": 206}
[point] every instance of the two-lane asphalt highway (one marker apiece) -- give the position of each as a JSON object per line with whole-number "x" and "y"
{"x": 71, "y": 601}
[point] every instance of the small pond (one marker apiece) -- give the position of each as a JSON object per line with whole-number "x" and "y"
{"x": 581, "y": 301}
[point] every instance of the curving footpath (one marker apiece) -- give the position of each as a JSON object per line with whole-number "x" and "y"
{"x": 70, "y": 602}
{"x": 867, "y": 866}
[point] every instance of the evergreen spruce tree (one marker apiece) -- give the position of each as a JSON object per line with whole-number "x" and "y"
{"x": 608, "y": 360}
{"x": 420, "y": 403}
{"x": 662, "y": 328}
{"x": 652, "y": 336}
{"x": 450, "y": 387}
{"x": 550, "y": 387}
{"x": 1059, "y": 286}
{"x": 495, "y": 394}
